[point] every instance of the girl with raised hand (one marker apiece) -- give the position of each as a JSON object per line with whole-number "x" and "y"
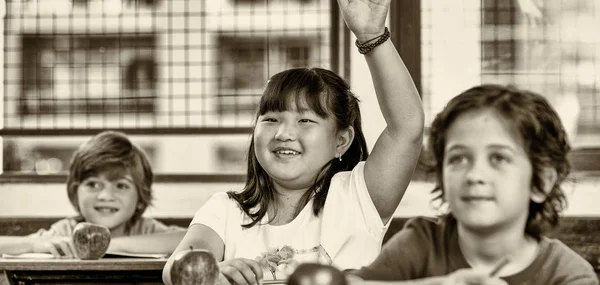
{"x": 313, "y": 193}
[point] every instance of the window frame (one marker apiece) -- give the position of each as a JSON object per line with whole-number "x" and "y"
{"x": 339, "y": 62}
{"x": 405, "y": 28}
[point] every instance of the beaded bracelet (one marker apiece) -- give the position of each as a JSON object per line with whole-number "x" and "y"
{"x": 369, "y": 45}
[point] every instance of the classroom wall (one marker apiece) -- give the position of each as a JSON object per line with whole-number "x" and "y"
{"x": 180, "y": 200}
{"x": 183, "y": 199}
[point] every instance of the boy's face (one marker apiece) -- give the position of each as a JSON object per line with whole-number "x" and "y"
{"x": 110, "y": 202}
{"x": 486, "y": 173}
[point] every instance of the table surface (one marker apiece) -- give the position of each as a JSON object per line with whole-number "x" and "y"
{"x": 103, "y": 264}
{"x": 121, "y": 271}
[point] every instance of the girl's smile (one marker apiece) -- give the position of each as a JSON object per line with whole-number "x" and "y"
{"x": 284, "y": 152}
{"x": 293, "y": 146}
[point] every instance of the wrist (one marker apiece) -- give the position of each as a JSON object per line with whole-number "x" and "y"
{"x": 366, "y": 37}
{"x": 370, "y": 44}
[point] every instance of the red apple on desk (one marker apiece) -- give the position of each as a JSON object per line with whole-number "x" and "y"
{"x": 194, "y": 267}
{"x": 90, "y": 240}
{"x": 316, "y": 274}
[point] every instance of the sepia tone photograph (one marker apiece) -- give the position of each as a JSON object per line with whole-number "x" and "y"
{"x": 326, "y": 142}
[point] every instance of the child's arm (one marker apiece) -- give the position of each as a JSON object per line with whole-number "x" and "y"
{"x": 164, "y": 242}
{"x": 354, "y": 280}
{"x": 390, "y": 166}
{"x": 59, "y": 246}
{"x": 199, "y": 236}
{"x": 468, "y": 276}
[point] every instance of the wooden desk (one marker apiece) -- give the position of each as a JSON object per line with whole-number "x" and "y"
{"x": 103, "y": 271}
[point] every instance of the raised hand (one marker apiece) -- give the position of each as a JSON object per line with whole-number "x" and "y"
{"x": 240, "y": 271}
{"x": 366, "y": 18}
{"x": 532, "y": 11}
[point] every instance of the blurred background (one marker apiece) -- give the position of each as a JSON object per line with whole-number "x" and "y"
{"x": 182, "y": 77}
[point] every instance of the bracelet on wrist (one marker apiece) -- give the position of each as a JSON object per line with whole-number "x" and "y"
{"x": 370, "y": 40}
{"x": 369, "y": 45}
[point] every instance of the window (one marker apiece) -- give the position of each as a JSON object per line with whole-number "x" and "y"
{"x": 551, "y": 49}
{"x": 25, "y": 156}
{"x": 245, "y": 63}
{"x": 180, "y": 77}
{"x": 266, "y": 1}
{"x": 149, "y": 3}
{"x": 66, "y": 75}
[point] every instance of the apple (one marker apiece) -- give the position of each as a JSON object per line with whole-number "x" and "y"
{"x": 316, "y": 274}
{"x": 90, "y": 240}
{"x": 194, "y": 266}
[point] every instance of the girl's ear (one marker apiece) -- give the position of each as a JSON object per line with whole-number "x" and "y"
{"x": 549, "y": 177}
{"x": 345, "y": 138}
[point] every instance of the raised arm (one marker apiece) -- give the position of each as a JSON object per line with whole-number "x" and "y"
{"x": 390, "y": 166}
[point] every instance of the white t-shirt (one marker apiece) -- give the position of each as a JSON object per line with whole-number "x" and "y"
{"x": 347, "y": 233}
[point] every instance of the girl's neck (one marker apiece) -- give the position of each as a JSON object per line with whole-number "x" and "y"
{"x": 286, "y": 208}
{"x": 288, "y": 197}
{"x": 484, "y": 250}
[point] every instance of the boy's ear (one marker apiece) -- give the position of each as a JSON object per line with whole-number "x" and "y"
{"x": 549, "y": 177}
{"x": 345, "y": 138}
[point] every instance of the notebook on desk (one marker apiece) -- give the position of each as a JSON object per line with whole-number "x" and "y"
{"x": 118, "y": 254}
{"x": 28, "y": 256}
{"x": 110, "y": 254}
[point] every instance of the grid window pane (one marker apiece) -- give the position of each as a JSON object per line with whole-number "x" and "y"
{"x": 552, "y": 49}
{"x": 151, "y": 66}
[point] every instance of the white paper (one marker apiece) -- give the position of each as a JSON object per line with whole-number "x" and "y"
{"x": 110, "y": 254}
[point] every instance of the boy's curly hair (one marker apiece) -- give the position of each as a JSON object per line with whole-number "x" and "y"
{"x": 114, "y": 153}
{"x": 543, "y": 136}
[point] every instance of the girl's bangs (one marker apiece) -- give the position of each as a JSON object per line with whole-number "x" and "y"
{"x": 296, "y": 90}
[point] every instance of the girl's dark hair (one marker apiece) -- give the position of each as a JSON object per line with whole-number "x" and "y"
{"x": 112, "y": 153}
{"x": 543, "y": 136}
{"x": 329, "y": 96}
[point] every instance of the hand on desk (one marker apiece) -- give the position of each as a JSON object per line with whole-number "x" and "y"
{"x": 240, "y": 271}
{"x": 37, "y": 247}
{"x": 59, "y": 247}
{"x": 54, "y": 247}
{"x": 89, "y": 241}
